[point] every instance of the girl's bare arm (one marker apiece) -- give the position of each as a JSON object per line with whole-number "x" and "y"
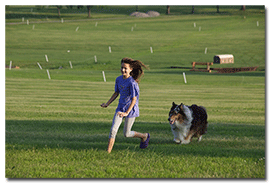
{"x": 113, "y": 97}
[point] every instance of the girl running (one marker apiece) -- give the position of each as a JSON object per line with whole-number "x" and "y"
{"x": 128, "y": 107}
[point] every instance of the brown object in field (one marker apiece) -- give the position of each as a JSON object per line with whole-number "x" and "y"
{"x": 233, "y": 70}
{"x": 201, "y": 63}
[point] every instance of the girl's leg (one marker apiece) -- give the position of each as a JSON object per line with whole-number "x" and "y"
{"x": 110, "y": 144}
{"x": 128, "y": 133}
{"x": 115, "y": 126}
{"x": 127, "y": 127}
{"x": 143, "y": 136}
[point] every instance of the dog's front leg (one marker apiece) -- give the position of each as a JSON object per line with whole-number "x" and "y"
{"x": 176, "y": 133}
{"x": 188, "y": 137}
{"x": 182, "y": 138}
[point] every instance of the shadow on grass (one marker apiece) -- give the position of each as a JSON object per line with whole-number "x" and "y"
{"x": 222, "y": 140}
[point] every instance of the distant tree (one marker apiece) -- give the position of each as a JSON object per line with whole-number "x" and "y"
{"x": 192, "y": 11}
{"x": 243, "y": 7}
{"x": 137, "y": 8}
{"x": 58, "y": 10}
{"x": 168, "y": 10}
{"x": 217, "y": 8}
{"x": 89, "y": 10}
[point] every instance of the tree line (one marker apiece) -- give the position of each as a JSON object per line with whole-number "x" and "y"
{"x": 243, "y": 7}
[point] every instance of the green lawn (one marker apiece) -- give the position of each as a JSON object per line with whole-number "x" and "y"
{"x": 57, "y": 129}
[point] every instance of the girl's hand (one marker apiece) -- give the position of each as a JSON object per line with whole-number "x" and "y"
{"x": 104, "y": 105}
{"x": 122, "y": 114}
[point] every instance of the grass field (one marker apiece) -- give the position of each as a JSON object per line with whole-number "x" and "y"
{"x": 57, "y": 129}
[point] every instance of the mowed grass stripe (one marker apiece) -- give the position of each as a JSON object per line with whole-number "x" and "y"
{"x": 57, "y": 99}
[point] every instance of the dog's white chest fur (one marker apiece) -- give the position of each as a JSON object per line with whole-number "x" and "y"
{"x": 182, "y": 128}
{"x": 180, "y": 131}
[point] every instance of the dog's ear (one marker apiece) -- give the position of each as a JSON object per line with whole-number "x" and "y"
{"x": 173, "y": 106}
{"x": 181, "y": 106}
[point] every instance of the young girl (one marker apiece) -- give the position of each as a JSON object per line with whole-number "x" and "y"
{"x": 127, "y": 86}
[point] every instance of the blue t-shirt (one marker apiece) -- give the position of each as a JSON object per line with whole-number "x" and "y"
{"x": 127, "y": 88}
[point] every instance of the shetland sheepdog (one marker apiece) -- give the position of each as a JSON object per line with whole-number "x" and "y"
{"x": 184, "y": 130}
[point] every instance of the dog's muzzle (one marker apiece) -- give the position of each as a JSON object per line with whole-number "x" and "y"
{"x": 171, "y": 120}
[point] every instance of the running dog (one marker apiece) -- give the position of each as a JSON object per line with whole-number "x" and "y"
{"x": 187, "y": 122}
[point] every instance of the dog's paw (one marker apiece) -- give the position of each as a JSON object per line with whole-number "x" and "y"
{"x": 199, "y": 139}
{"x": 177, "y": 141}
{"x": 185, "y": 142}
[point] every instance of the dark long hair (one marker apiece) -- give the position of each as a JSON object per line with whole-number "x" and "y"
{"x": 137, "y": 68}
